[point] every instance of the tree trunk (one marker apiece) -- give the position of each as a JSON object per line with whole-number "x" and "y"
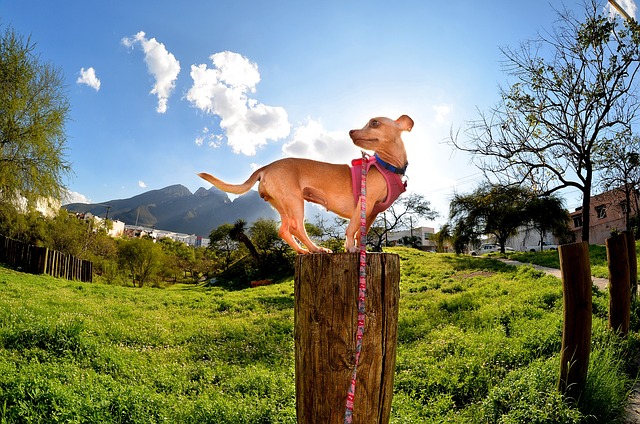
{"x": 586, "y": 216}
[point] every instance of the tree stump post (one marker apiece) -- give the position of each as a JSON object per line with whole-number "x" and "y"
{"x": 576, "y": 331}
{"x": 633, "y": 263}
{"x": 326, "y": 310}
{"x": 619, "y": 283}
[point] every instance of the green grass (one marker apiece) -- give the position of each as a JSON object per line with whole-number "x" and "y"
{"x": 551, "y": 259}
{"x": 479, "y": 342}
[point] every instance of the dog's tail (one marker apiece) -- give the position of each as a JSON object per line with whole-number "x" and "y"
{"x": 233, "y": 188}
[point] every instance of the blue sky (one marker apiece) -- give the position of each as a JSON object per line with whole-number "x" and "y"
{"x": 161, "y": 90}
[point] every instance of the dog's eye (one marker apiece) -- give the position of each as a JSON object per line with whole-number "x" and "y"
{"x": 374, "y": 123}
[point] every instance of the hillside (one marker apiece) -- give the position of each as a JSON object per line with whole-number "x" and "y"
{"x": 175, "y": 208}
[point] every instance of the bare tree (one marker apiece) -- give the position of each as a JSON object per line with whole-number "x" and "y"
{"x": 400, "y": 215}
{"x": 575, "y": 89}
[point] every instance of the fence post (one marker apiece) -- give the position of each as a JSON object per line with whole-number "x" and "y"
{"x": 576, "y": 331}
{"x": 619, "y": 283}
{"x": 326, "y": 298}
{"x": 633, "y": 263}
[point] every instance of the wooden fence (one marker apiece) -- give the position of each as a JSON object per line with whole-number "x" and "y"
{"x": 41, "y": 260}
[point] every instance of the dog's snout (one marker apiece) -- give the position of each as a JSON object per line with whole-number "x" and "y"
{"x": 351, "y": 132}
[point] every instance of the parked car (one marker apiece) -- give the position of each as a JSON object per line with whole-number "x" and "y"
{"x": 545, "y": 246}
{"x": 490, "y": 248}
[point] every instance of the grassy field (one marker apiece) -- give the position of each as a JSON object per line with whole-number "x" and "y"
{"x": 478, "y": 342}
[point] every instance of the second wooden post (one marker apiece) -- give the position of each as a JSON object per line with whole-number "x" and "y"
{"x": 619, "y": 283}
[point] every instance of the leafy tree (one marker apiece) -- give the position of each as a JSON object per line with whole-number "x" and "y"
{"x": 204, "y": 262}
{"x": 277, "y": 255}
{"x": 442, "y": 236}
{"x": 33, "y": 112}
{"x": 548, "y": 214}
{"x": 237, "y": 233}
{"x": 264, "y": 235}
{"x": 29, "y": 226}
{"x": 462, "y": 237}
{"x": 270, "y": 256}
{"x": 575, "y": 89}
{"x": 400, "y": 215}
{"x": 178, "y": 256}
{"x": 141, "y": 257}
{"x": 221, "y": 243}
{"x": 490, "y": 209}
{"x": 411, "y": 241}
{"x": 72, "y": 235}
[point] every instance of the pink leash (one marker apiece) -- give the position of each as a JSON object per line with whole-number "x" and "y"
{"x": 362, "y": 288}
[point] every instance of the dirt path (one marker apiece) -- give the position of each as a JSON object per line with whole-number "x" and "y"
{"x": 632, "y": 410}
{"x": 601, "y": 283}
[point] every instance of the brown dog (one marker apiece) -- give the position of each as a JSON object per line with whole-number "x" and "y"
{"x": 286, "y": 183}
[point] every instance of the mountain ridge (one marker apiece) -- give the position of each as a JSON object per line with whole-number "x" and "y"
{"x": 175, "y": 208}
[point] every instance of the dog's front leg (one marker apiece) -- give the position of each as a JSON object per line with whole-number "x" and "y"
{"x": 352, "y": 234}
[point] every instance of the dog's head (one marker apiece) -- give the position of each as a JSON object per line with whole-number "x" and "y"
{"x": 383, "y": 136}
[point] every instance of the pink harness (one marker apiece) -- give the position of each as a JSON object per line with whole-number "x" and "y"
{"x": 395, "y": 185}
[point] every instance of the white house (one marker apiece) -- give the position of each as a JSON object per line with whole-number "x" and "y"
{"x": 422, "y": 233}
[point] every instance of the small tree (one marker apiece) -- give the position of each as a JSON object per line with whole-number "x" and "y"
{"x": 548, "y": 214}
{"x": 490, "y": 209}
{"x": 400, "y": 215}
{"x": 441, "y": 237}
{"x": 221, "y": 243}
{"x": 238, "y": 233}
{"x": 33, "y": 112}
{"x": 141, "y": 257}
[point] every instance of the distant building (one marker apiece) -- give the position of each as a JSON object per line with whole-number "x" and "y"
{"x": 188, "y": 239}
{"x": 528, "y": 238}
{"x": 117, "y": 227}
{"x": 606, "y": 214}
{"x": 423, "y": 234}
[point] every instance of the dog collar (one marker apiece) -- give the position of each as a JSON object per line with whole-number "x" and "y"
{"x": 390, "y": 167}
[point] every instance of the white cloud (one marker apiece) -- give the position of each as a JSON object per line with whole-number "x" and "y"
{"x": 628, "y": 5}
{"x": 443, "y": 113}
{"x": 161, "y": 64}
{"x": 313, "y": 141}
{"x": 88, "y": 77}
{"x": 222, "y": 90}
{"x": 142, "y": 184}
{"x": 75, "y": 197}
{"x": 212, "y": 140}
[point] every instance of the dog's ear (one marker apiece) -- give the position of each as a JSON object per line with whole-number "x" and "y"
{"x": 404, "y": 123}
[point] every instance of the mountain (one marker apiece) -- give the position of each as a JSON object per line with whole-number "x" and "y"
{"x": 175, "y": 208}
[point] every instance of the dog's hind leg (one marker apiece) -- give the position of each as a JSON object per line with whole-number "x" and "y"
{"x": 292, "y": 225}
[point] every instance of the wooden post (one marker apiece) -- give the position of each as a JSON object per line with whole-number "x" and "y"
{"x": 619, "y": 285}
{"x": 326, "y": 299}
{"x": 633, "y": 263}
{"x": 576, "y": 331}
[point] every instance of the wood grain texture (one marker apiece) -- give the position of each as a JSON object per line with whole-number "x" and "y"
{"x": 326, "y": 298}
